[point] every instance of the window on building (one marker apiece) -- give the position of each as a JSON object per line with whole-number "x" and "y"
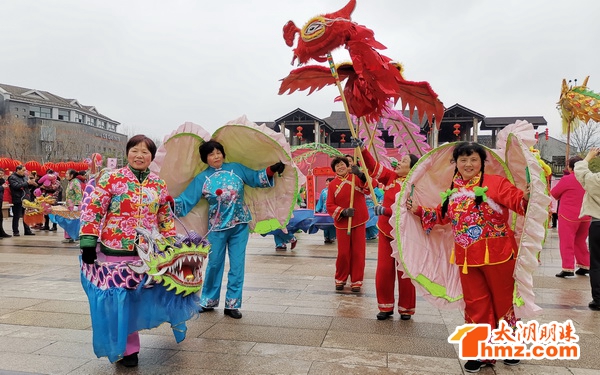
{"x": 90, "y": 121}
{"x": 63, "y": 115}
{"x": 101, "y": 124}
{"x": 43, "y": 112}
{"x": 79, "y": 117}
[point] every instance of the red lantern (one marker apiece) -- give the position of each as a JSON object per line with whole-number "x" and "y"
{"x": 547, "y": 136}
{"x": 299, "y": 134}
{"x": 456, "y": 130}
{"x": 343, "y": 138}
{"x": 537, "y": 136}
{"x": 33, "y": 165}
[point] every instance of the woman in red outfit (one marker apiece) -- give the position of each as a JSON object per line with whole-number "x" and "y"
{"x": 477, "y": 207}
{"x": 351, "y": 244}
{"x": 387, "y": 273}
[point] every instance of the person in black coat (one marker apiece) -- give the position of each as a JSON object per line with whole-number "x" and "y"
{"x": 3, "y": 234}
{"x": 19, "y": 189}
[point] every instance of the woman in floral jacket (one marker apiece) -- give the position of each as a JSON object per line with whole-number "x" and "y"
{"x": 123, "y": 200}
{"x": 477, "y": 207}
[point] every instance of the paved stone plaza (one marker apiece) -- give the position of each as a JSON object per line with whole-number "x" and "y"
{"x": 294, "y": 321}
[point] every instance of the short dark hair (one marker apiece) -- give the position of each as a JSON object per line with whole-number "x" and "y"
{"x": 468, "y": 148}
{"x": 574, "y": 160}
{"x": 19, "y": 167}
{"x": 413, "y": 159}
{"x": 137, "y": 139}
{"x": 208, "y": 147}
{"x": 337, "y": 160}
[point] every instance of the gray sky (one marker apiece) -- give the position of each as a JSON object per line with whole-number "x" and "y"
{"x": 152, "y": 65}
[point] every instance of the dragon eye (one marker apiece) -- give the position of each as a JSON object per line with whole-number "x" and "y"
{"x": 313, "y": 29}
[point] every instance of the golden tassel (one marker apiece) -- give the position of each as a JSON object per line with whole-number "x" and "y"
{"x": 465, "y": 269}
{"x": 486, "y": 260}
{"x": 452, "y": 256}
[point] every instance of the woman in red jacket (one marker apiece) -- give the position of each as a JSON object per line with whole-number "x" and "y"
{"x": 477, "y": 206}
{"x": 386, "y": 273}
{"x": 351, "y": 243}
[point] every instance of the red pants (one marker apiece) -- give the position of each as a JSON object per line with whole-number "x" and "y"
{"x": 386, "y": 275}
{"x": 573, "y": 248}
{"x": 352, "y": 251}
{"x": 488, "y": 293}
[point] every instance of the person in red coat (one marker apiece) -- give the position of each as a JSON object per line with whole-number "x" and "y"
{"x": 477, "y": 206}
{"x": 386, "y": 273}
{"x": 351, "y": 243}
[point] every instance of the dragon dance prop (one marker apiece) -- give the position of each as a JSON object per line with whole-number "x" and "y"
{"x": 178, "y": 161}
{"x": 36, "y": 209}
{"x": 425, "y": 258}
{"x": 577, "y": 103}
{"x": 371, "y": 79}
{"x": 129, "y": 296}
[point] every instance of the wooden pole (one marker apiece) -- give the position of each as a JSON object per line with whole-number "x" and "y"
{"x": 335, "y": 75}
{"x": 369, "y": 180}
{"x": 568, "y": 143}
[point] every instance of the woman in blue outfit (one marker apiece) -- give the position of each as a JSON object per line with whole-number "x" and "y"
{"x": 222, "y": 185}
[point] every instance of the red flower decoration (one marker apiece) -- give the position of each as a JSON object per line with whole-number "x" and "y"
{"x": 219, "y": 192}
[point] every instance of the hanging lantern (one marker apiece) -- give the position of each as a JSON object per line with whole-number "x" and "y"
{"x": 299, "y": 133}
{"x": 343, "y": 138}
{"x": 537, "y": 136}
{"x": 456, "y": 130}
{"x": 547, "y": 136}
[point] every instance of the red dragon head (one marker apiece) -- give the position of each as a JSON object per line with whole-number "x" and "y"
{"x": 321, "y": 34}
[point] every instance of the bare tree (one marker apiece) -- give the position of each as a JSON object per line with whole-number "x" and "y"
{"x": 16, "y": 138}
{"x": 585, "y": 136}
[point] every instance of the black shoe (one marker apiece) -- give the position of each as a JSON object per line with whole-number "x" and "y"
{"x": 405, "y": 316}
{"x": 29, "y": 234}
{"x": 46, "y": 228}
{"x": 511, "y": 362}
{"x": 205, "y": 309}
{"x": 594, "y": 305}
{"x": 564, "y": 274}
{"x": 53, "y": 229}
{"x": 281, "y": 248}
{"x": 339, "y": 286}
{"x": 5, "y": 235}
{"x": 234, "y": 313}
{"x": 475, "y": 366}
{"x": 383, "y": 315}
{"x": 582, "y": 272}
{"x": 16, "y": 234}
{"x": 130, "y": 360}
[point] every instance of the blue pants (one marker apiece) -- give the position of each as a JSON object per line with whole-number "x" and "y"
{"x": 329, "y": 233}
{"x": 234, "y": 240}
{"x": 281, "y": 239}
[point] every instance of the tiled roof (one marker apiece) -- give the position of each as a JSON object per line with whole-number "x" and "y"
{"x": 33, "y": 96}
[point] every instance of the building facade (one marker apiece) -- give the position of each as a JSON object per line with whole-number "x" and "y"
{"x": 38, "y": 125}
{"x": 459, "y": 124}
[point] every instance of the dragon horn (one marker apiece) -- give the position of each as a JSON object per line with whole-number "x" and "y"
{"x": 289, "y": 33}
{"x": 344, "y": 13}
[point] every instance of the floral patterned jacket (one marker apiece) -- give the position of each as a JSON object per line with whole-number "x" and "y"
{"x": 482, "y": 235}
{"x": 223, "y": 188}
{"x": 120, "y": 204}
{"x": 74, "y": 193}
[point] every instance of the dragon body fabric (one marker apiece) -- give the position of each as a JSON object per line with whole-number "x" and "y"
{"x": 371, "y": 79}
{"x": 159, "y": 287}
